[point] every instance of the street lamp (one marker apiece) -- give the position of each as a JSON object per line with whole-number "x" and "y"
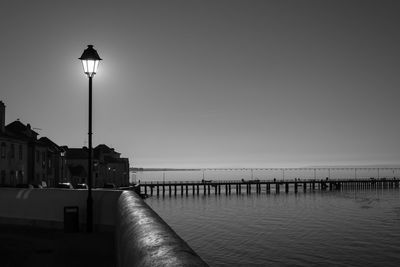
{"x": 90, "y": 61}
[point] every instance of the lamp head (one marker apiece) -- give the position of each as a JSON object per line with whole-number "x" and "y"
{"x": 90, "y": 61}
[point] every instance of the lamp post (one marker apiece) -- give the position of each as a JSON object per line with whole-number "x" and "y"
{"x": 90, "y": 61}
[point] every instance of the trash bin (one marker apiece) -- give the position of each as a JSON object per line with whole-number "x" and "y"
{"x": 71, "y": 219}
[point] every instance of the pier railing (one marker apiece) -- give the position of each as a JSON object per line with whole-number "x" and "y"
{"x": 227, "y": 187}
{"x": 266, "y": 173}
{"x": 233, "y": 181}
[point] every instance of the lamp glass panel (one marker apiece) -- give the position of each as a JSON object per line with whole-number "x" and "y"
{"x": 90, "y": 66}
{"x": 96, "y": 65}
{"x": 85, "y": 67}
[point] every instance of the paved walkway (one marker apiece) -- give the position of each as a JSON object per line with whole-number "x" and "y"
{"x": 29, "y": 246}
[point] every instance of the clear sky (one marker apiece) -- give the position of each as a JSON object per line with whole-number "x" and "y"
{"x": 210, "y": 83}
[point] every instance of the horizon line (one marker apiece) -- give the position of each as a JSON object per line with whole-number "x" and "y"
{"x": 270, "y": 168}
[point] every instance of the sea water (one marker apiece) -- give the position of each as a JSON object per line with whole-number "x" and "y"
{"x": 319, "y": 228}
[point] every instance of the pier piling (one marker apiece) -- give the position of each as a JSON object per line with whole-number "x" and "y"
{"x": 154, "y": 188}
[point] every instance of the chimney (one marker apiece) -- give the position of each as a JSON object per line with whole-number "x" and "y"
{"x": 2, "y": 117}
{"x": 29, "y": 130}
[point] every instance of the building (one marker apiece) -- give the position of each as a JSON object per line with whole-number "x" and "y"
{"x": 13, "y": 155}
{"x": 25, "y": 159}
{"x": 108, "y": 166}
{"x": 111, "y": 167}
{"x": 56, "y": 164}
{"x": 76, "y": 164}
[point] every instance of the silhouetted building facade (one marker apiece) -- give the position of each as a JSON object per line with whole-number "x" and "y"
{"x": 55, "y": 162}
{"x": 13, "y": 154}
{"x": 76, "y": 164}
{"x": 111, "y": 167}
{"x": 108, "y": 166}
{"x": 24, "y": 159}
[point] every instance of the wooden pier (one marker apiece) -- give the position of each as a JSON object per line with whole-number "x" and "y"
{"x": 260, "y": 186}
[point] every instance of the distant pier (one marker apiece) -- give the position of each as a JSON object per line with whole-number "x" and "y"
{"x": 208, "y": 187}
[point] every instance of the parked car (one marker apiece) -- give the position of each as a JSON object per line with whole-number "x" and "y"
{"x": 81, "y": 186}
{"x": 109, "y": 185}
{"x": 24, "y": 186}
{"x": 65, "y": 185}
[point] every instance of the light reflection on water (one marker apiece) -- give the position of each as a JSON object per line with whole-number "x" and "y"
{"x": 347, "y": 228}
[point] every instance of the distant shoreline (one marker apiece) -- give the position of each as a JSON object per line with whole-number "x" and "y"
{"x": 269, "y": 168}
{"x": 160, "y": 169}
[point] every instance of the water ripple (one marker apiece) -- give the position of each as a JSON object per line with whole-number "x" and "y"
{"x": 324, "y": 228}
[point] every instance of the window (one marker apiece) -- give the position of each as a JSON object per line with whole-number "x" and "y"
{"x": 12, "y": 151}
{"x": 20, "y": 152}
{"x": 43, "y": 159}
{"x": 37, "y": 156}
{"x": 3, "y": 176}
{"x": 3, "y": 150}
{"x": 20, "y": 176}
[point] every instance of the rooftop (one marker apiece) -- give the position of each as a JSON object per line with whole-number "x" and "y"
{"x": 22, "y": 130}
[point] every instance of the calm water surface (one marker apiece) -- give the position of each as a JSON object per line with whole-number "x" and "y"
{"x": 347, "y": 228}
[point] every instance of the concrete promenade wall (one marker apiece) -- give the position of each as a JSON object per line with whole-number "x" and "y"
{"x": 144, "y": 239}
{"x": 45, "y": 207}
